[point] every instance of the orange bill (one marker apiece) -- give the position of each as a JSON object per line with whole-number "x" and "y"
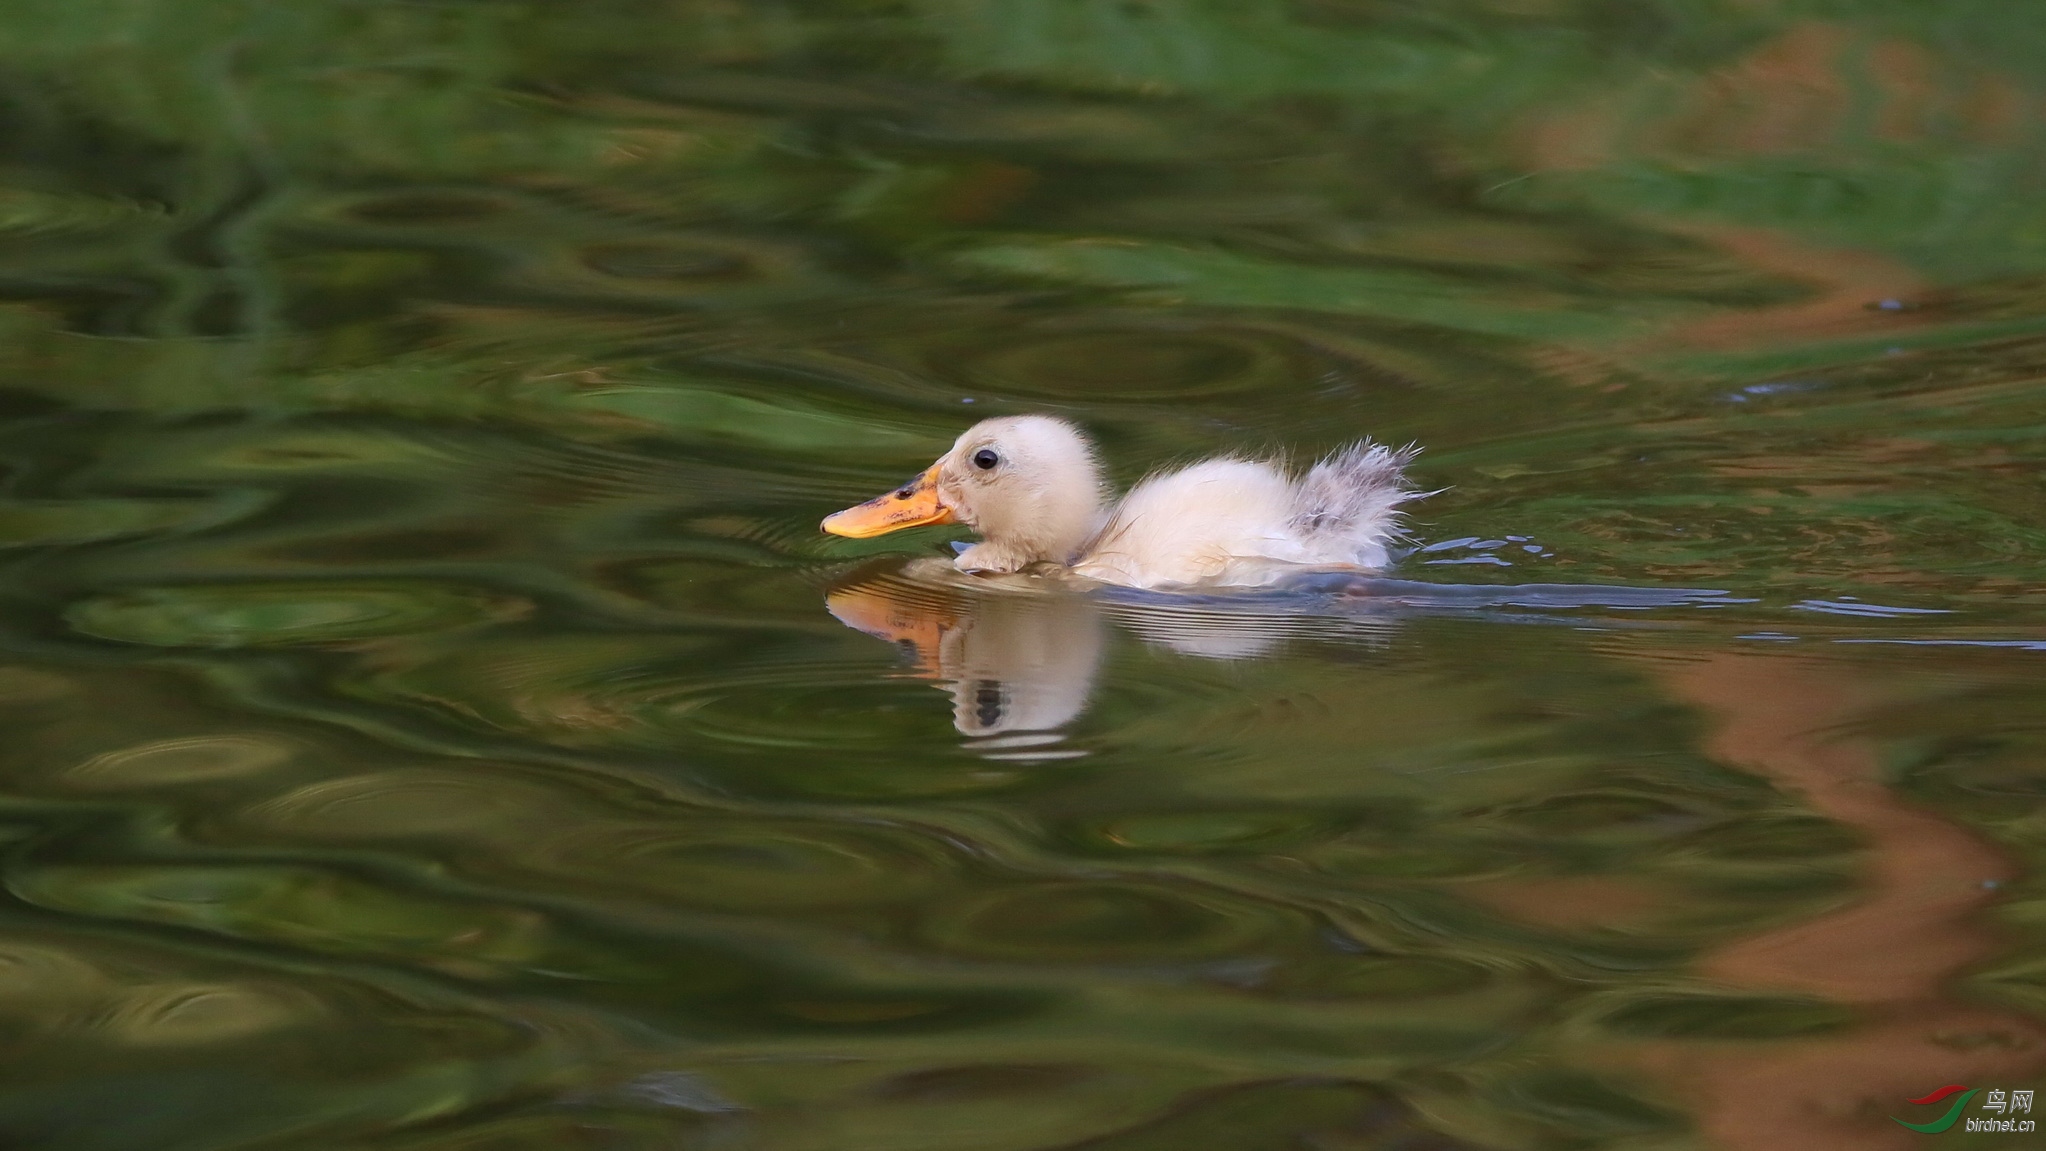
{"x": 911, "y": 505}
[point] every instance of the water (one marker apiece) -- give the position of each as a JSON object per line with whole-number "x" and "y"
{"x": 437, "y": 723}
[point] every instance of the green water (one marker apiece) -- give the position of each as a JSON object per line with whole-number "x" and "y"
{"x": 435, "y": 721}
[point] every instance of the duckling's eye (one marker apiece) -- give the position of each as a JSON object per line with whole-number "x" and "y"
{"x": 985, "y": 458}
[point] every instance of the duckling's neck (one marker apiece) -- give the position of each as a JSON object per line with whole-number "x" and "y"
{"x": 1073, "y": 525}
{"x": 1055, "y": 529}
{"x": 1053, "y": 522}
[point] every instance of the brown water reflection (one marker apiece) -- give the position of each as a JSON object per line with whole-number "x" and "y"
{"x": 1841, "y": 285}
{"x": 1893, "y": 951}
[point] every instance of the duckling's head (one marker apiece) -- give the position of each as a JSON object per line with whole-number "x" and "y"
{"x": 1029, "y": 484}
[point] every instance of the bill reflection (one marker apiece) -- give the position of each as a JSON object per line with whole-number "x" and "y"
{"x": 1019, "y": 663}
{"x": 1019, "y": 655}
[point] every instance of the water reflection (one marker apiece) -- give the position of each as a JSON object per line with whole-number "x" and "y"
{"x": 1019, "y": 660}
{"x": 1019, "y": 654}
{"x": 1891, "y": 952}
{"x": 1764, "y": 1016}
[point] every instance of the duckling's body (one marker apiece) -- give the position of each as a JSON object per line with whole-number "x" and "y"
{"x": 1031, "y": 485}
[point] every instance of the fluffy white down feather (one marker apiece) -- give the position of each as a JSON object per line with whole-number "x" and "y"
{"x": 1220, "y": 522}
{"x": 1235, "y": 522}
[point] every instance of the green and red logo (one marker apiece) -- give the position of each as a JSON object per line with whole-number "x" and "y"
{"x": 1953, "y": 1113}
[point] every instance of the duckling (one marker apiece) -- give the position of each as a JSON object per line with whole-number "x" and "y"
{"x": 1032, "y": 487}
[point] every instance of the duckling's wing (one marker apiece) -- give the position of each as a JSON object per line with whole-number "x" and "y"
{"x": 1193, "y": 525}
{"x": 1347, "y": 506}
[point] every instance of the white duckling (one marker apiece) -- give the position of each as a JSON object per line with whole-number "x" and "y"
{"x": 1032, "y": 487}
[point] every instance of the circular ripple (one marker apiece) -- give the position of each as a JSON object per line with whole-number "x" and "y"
{"x": 688, "y": 269}
{"x": 1773, "y": 838}
{"x": 647, "y": 260}
{"x": 1690, "y": 1015}
{"x": 1375, "y": 977}
{"x": 626, "y": 707}
{"x": 754, "y": 865}
{"x": 1200, "y": 832}
{"x": 412, "y": 803}
{"x": 1100, "y": 922}
{"x": 781, "y": 726}
{"x": 1127, "y": 363}
{"x": 432, "y": 209}
{"x": 1597, "y": 812}
{"x": 264, "y": 615}
{"x": 814, "y": 730}
{"x": 183, "y": 1014}
{"x": 195, "y": 759}
{"x": 1424, "y": 859}
{"x": 789, "y": 713}
{"x": 843, "y": 738}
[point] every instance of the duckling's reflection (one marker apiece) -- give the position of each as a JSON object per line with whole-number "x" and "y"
{"x": 1019, "y": 652}
{"x": 1018, "y": 661}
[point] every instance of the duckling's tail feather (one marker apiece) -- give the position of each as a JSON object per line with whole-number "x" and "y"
{"x": 1348, "y": 504}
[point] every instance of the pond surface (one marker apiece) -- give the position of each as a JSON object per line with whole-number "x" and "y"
{"x": 436, "y": 721}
